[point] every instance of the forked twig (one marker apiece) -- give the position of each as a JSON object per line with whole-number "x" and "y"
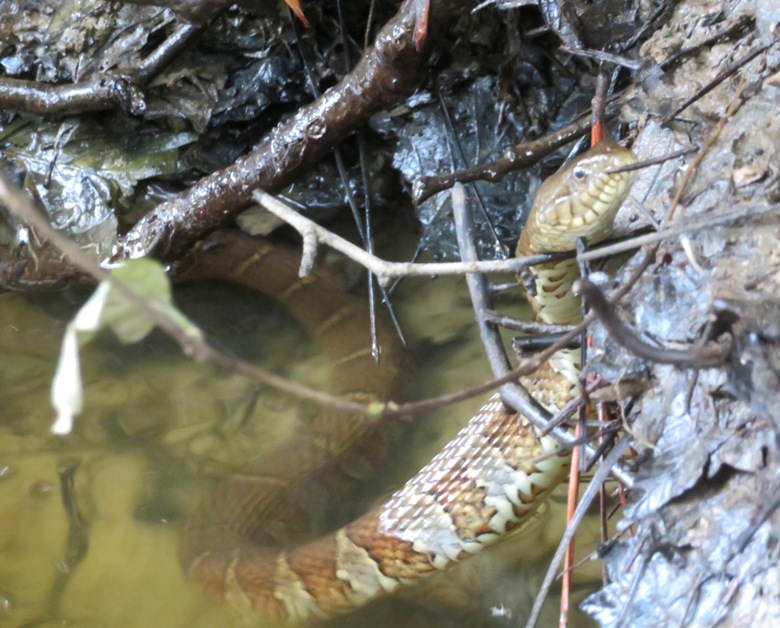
{"x": 385, "y": 271}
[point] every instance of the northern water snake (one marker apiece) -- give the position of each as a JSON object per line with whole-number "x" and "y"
{"x": 481, "y": 486}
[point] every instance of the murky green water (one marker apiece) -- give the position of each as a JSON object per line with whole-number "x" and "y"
{"x": 159, "y": 429}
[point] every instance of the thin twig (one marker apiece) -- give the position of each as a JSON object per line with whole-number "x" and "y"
{"x": 385, "y": 271}
{"x": 588, "y": 496}
{"x": 639, "y": 165}
{"x": 603, "y": 57}
{"x": 525, "y": 344}
{"x": 531, "y": 327}
{"x": 722, "y": 76}
{"x": 708, "y": 356}
{"x": 700, "y": 223}
{"x": 517, "y": 157}
{"x": 464, "y": 228}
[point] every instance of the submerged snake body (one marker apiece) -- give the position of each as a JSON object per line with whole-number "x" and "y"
{"x": 482, "y": 485}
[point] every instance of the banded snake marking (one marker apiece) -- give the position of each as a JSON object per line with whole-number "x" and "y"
{"x": 480, "y": 487}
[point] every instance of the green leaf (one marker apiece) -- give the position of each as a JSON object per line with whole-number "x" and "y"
{"x": 109, "y": 308}
{"x": 376, "y": 409}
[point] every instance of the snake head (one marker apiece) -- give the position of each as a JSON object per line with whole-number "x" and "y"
{"x": 580, "y": 200}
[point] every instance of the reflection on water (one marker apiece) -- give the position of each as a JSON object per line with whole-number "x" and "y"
{"x": 88, "y": 522}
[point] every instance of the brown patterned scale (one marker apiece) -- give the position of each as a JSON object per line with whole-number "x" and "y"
{"x": 480, "y": 487}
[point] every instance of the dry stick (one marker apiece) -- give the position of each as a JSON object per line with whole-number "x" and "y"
{"x": 312, "y": 234}
{"x": 477, "y": 284}
{"x": 101, "y": 92}
{"x": 385, "y": 271}
{"x": 520, "y": 156}
{"x": 387, "y": 72}
{"x": 699, "y": 223}
{"x": 603, "y": 57}
{"x": 531, "y": 327}
{"x": 515, "y": 158}
{"x": 651, "y": 162}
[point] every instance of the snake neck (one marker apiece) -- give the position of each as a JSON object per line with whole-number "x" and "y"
{"x": 554, "y": 302}
{"x": 481, "y": 486}
{"x": 581, "y": 200}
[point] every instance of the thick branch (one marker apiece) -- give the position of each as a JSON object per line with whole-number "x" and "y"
{"x": 101, "y": 92}
{"x": 388, "y": 72}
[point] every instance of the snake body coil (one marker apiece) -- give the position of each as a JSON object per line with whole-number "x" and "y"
{"x": 481, "y": 486}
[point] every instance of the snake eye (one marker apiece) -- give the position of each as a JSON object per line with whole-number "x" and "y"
{"x": 579, "y": 173}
